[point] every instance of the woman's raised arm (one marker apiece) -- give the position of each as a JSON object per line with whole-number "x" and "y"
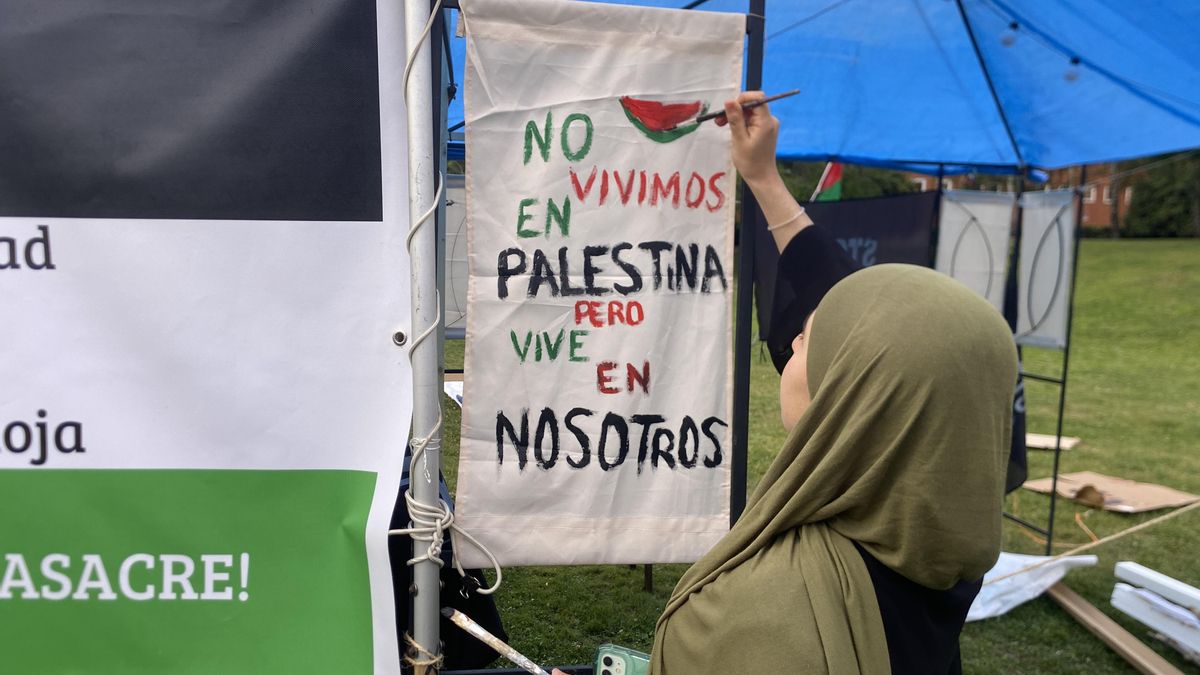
{"x": 754, "y": 133}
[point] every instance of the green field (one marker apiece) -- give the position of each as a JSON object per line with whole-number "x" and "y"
{"x": 1134, "y": 399}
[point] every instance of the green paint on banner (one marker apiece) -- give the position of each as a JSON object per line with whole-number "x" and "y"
{"x": 662, "y": 122}
{"x": 121, "y": 534}
{"x": 664, "y": 136}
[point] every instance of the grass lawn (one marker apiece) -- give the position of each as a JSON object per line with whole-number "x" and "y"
{"x": 1134, "y": 399}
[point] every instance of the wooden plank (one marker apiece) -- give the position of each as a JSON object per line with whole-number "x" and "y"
{"x": 1128, "y": 647}
{"x": 1046, "y": 441}
{"x": 1174, "y": 590}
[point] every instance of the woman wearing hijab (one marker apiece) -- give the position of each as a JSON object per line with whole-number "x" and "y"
{"x": 864, "y": 544}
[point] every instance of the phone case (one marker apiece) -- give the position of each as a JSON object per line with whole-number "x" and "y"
{"x": 617, "y": 660}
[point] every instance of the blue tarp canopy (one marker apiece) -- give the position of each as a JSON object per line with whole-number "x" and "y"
{"x": 989, "y": 85}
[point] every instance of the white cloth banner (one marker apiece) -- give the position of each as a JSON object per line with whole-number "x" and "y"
{"x": 598, "y": 366}
{"x": 1047, "y": 258}
{"x": 973, "y": 234}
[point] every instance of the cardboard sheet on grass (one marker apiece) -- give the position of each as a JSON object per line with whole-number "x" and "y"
{"x": 202, "y": 262}
{"x": 1113, "y": 494}
{"x": 598, "y": 360}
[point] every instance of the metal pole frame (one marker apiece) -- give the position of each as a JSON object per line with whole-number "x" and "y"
{"x": 752, "y": 220}
{"x": 1017, "y": 232}
{"x": 1062, "y": 391}
{"x": 439, "y": 105}
{"x": 426, "y": 366}
{"x": 1061, "y": 380}
{"x": 936, "y": 233}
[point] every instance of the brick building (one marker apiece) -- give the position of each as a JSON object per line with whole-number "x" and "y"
{"x": 1102, "y": 199}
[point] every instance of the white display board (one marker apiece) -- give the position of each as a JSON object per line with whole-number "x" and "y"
{"x": 202, "y": 421}
{"x": 598, "y": 385}
{"x": 1047, "y": 266}
{"x": 973, "y": 240}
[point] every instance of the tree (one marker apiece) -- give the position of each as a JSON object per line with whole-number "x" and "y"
{"x": 858, "y": 182}
{"x": 1166, "y": 201}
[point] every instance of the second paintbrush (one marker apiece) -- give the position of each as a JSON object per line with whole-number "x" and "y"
{"x": 468, "y": 624}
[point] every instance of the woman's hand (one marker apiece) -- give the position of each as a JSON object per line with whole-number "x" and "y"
{"x": 754, "y": 133}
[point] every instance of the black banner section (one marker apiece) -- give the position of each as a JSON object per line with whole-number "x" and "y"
{"x": 896, "y": 229}
{"x": 197, "y": 109}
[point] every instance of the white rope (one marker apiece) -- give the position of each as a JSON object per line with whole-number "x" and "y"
{"x": 1093, "y": 544}
{"x": 429, "y": 524}
{"x": 419, "y": 657}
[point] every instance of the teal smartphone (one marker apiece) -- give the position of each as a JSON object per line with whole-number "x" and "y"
{"x": 617, "y": 660}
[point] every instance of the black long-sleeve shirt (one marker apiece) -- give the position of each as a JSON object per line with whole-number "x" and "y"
{"x": 809, "y": 266}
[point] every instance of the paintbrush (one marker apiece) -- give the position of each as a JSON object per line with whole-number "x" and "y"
{"x": 747, "y": 106}
{"x": 466, "y": 623}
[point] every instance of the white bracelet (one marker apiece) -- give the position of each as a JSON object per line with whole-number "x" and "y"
{"x": 789, "y": 221}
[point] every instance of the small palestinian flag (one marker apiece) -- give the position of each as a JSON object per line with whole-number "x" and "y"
{"x": 829, "y": 189}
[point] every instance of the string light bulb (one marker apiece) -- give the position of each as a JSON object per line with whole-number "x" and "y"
{"x": 1009, "y": 36}
{"x": 1072, "y": 73}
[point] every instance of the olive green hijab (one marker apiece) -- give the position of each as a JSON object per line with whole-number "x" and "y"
{"x": 902, "y": 450}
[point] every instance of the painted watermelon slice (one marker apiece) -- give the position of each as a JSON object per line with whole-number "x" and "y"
{"x": 662, "y": 122}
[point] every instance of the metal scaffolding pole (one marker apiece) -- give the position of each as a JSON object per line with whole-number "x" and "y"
{"x": 1066, "y": 361}
{"x": 751, "y": 220}
{"x": 424, "y": 355}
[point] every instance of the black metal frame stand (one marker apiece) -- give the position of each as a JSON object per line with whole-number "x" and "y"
{"x": 752, "y": 219}
{"x": 1061, "y": 380}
